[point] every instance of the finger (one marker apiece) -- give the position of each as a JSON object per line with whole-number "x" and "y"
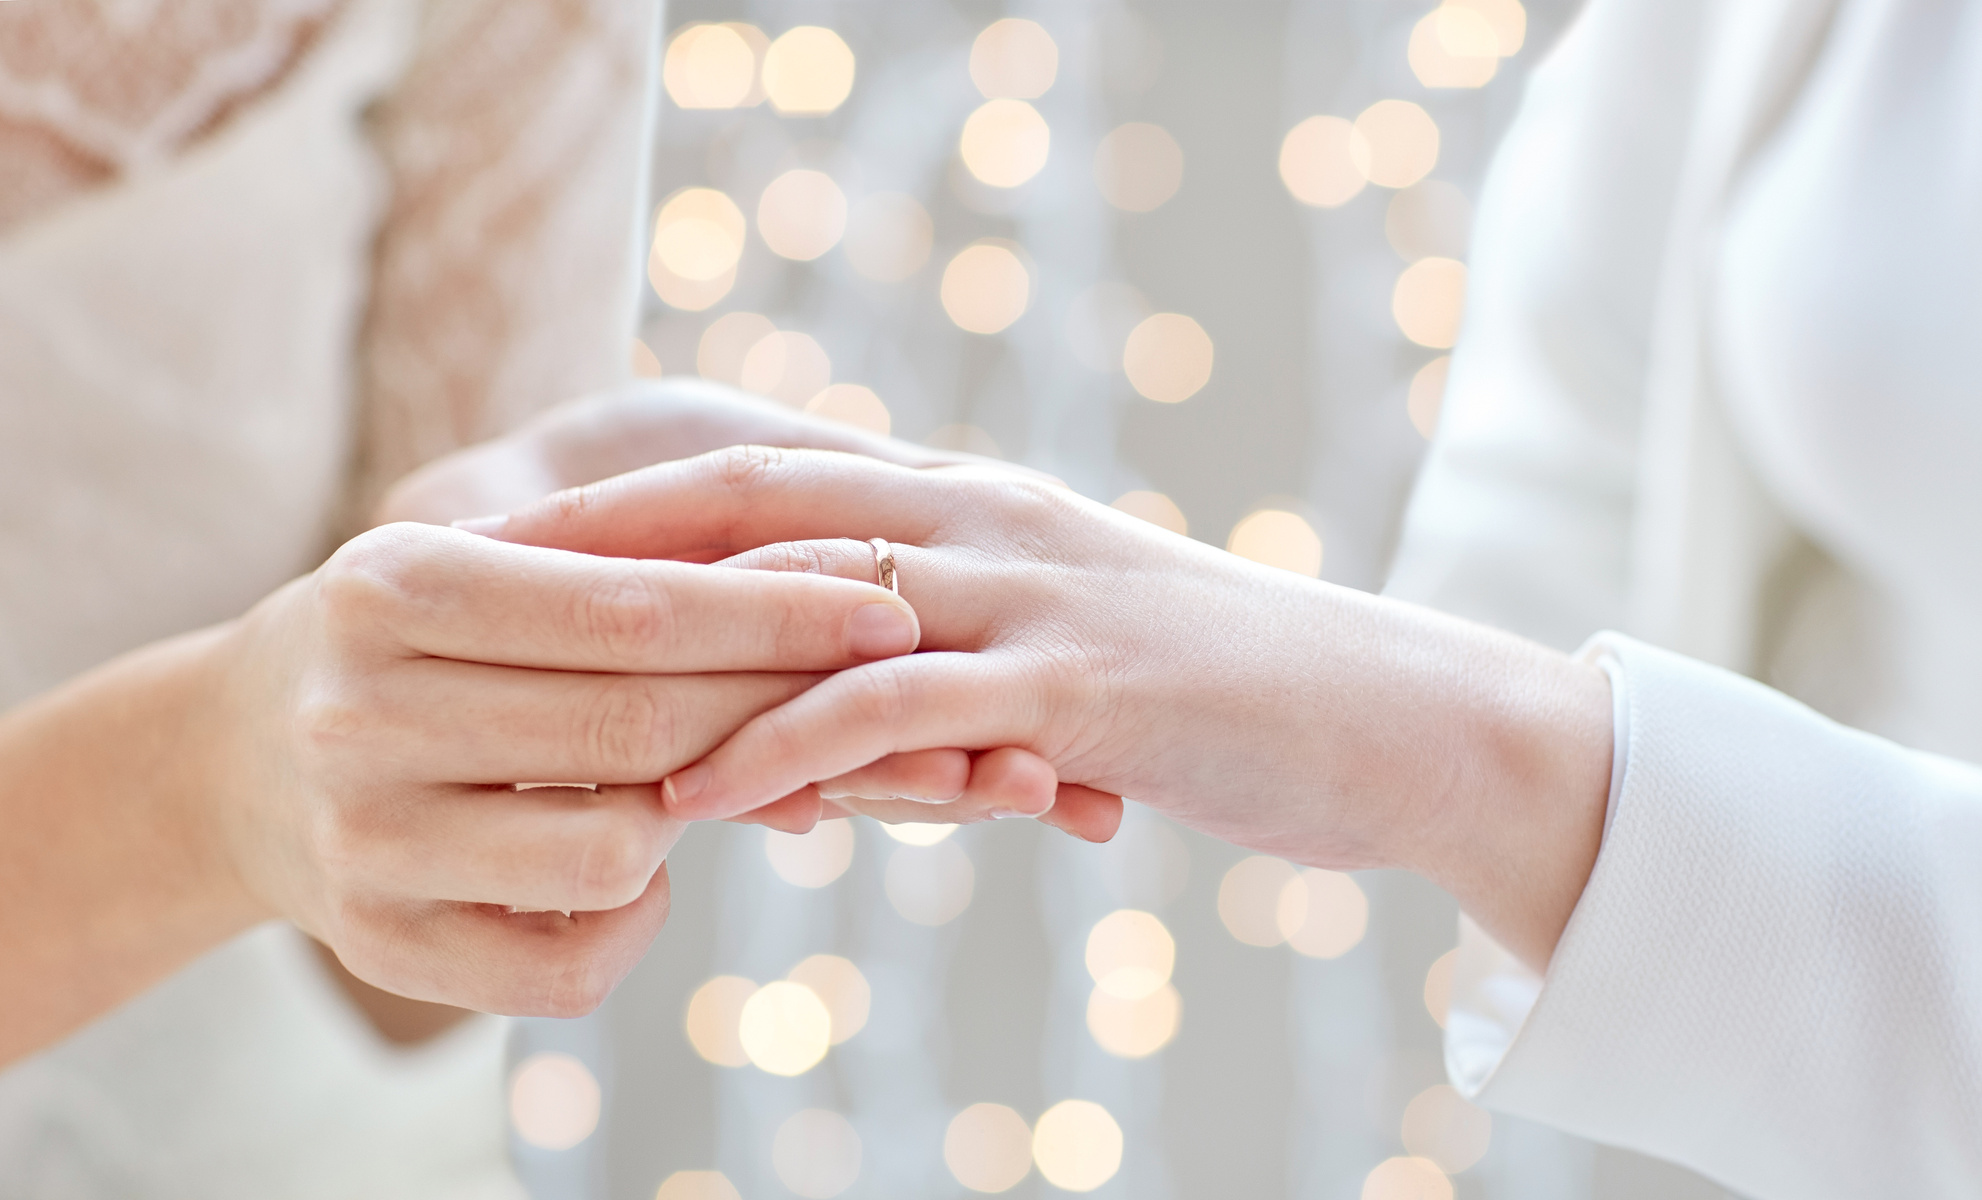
{"x": 945, "y": 587}
{"x": 558, "y": 848}
{"x": 455, "y": 722}
{"x": 481, "y": 956}
{"x": 726, "y": 502}
{"x": 1006, "y": 782}
{"x": 796, "y": 813}
{"x": 919, "y": 702}
{"x": 444, "y": 593}
{"x": 1087, "y": 814}
{"x": 927, "y": 778}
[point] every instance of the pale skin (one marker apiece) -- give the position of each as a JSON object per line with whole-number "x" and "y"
{"x": 340, "y": 755}
{"x": 1288, "y": 716}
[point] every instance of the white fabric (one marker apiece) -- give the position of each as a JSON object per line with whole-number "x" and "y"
{"x": 1714, "y": 391}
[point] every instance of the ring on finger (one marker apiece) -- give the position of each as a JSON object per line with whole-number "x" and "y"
{"x": 884, "y": 565}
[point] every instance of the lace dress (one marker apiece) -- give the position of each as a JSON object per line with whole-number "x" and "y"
{"x": 257, "y": 258}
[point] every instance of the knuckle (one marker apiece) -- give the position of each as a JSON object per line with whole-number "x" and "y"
{"x": 743, "y": 470}
{"x": 367, "y": 577}
{"x": 628, "y": 735}
{"x": 612, "y": 870}
{"x": 576, "y": 986}
{"x": 625, "y": 613}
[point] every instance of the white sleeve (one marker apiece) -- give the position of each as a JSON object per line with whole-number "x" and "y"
{"x": 1774, "y": 975}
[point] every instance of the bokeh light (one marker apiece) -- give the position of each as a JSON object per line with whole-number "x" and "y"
{"x": 888, "y": 236}
{"x": 1454, "y": 47}
{"x": 1427, "y": 395}
{"x": 808, "y": 71}
{"x": 1406, "y": 1179}
{"x": 918, "y": 833}
{"x": 1429, "y": 301}
{"x": 786, "y": 366}
{"x": 816, "y": 1153}
{"x": 642, "y": 360}
{"x": 697, "y": 1185}
{"x": 986, "y": 287}
{"x": 785, "y": 1028}
{"x": 1399, "y": 143}
{"x": 1134, "y": 1028}
{"x": 853, "y": 404}
{"x": 1154, "y": 507}
{"x": 1323, "y": 161}
{"x": 930, "y": 885}
{"x": 720, "y": 352}
{"x": 1099, "y": 321}
{"x": 801, "y": 214}
{"x": 988, "y": 1148}
{"x": 1077, "y": 1145}
{"x": 1438, "y": 987}
{"x": 698, "y": 240}
{"x": 1167, "y": 358}
{"x": 1005, "y": 143}
{"x": 1508, "y": 19}
{"x": 1443, "y": 1126}
{"x": 813, "y": 859}
{"x": 968, "y": 438}
{"x": 841, "y": 987}
{"x": 553, "y": 1101}
{"x": 1431, "y": 217}
{"x": 715, "y": 1013}
{"x": 1138, "y": 166}
{"x": 1130, "y": 953}
{"x": 1249, "y": 899}
{"x": 1014, "y": 59}
{"x": 711, "y": 66}
{"x": 1322, "y": 914}
{"x": 1278, "y": 538}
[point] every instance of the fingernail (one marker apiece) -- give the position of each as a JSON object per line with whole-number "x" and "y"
{"x": 482, "y": 526}
{"x": 880, "y": 631}
{"x": 684, "y": 785}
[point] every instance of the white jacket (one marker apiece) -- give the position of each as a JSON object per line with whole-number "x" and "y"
{"x": 1774, "y": 975}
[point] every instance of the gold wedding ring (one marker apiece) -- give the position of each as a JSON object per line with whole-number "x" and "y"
{"x": 884, "y": 564}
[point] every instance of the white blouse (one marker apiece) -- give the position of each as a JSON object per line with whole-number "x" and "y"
{"x": 1717, "y": 389}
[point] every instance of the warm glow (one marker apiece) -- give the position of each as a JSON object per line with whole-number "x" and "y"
{"x": 1399, "y": 143}
{"x": 888, "y": 236}
{"x": 719, "y": 355}
{"x": 1453, "y": 47}
{"x": 553, "y": 1101}
{"x": 1134, "y": 1028}
{"x": 1443, "y": 1126}
{"x": 801, "y": 214}
{"x": 698, "y": 240}
{"x": 1430, "y": 301}
{"x": 1099, "y": 322}
{"x": 1438, "y": 987}
{"x": 1167, "y": 357}
{"x": 710, "y": 66}
{"x": 930, "y": 885}
{"x": 1154, "y": 507}
{"x": 786, "y": 366}
{"x": 853, "y": 404}
{"x": 1077, "y": 1145}
{"x": 1005, "y": 142}
{"x": 1507, "y": 18}
{"x": 841, "y": 987}
{"x": 697, "y": 1185}
{"x": 644, "y": 363}
{"x": 816, "y": 1153}
{"x": 986, "y": 287}
{"x": 1138, "y": 166}
{"x": 1278, "y": 539}
{"x": 1406, "y": 1179}
{"x": 1130, "y": 954}
{"x": 1249, "y": 899}
{"x": 1322, "y": 914}
{"x": 967, "y": 438}
{"x": 988, "y": 1147}
{"x": 1431, "y": 217}
{"x": 1427, "y": 395}
{"x": 1321, "y": 161}
{"x": 918, "y": 833}
{"x": 808, "y": 71}
{"x": 714, "y": 1013}
{"x": 1014, "y": 59}
{"x": 785, "y": 1028}
{"x": 814, "y": 859}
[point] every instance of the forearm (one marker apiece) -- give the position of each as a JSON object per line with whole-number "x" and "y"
{"x": 109, "y": 879}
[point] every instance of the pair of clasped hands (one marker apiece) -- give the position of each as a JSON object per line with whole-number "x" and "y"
{"x": 697, "y": 630}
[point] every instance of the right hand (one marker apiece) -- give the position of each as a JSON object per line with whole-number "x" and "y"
{"x": 370, "y": 719}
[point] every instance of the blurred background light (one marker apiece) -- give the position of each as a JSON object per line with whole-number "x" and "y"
{"x": 1014, "y": 59}
{"x": 1138, "y": 166}
{"x": 1399, "y": 143}
{"x": 843, "y": 989}
{"x": 712, "y": 66}
{"x": 986, "y": 287}
{"x": 553, "y": 1101}
{"x": 1130, "y": 954}
{"x": 1005, "y": 143}
{"x": 785, "y": 1028}
{"x": 1154, "y": 507}
{"x": 808, "y": 71}
{"x": 1322, "y": 914}
{"x": 888, "y": 236}
{"x": 1099, "y": 321}
{"x": 1427, "y": 394}
{"x": 1249, "y": 899}
{"x": 1438, "y": 987}
{"x": 930, "y": 885}
{"x": 814, "y": 859}
{"x": 645, "y": 363}
{"x": 697, "y": 1185}
{"x": 715, "y": 1018}
{"x": 720, "y": 351}
{"x": 786, "y": 366}
{"x": 1324, "y": 161}
{"x": 853, "y": 404}
{"x": 988, "y": 1148}
{"x": 1134, "y": 1027}
{"x": 918, "y": 833}
{"x": 1077, "y": 1145}
{"x": 1407, "y": 1179}
{"x": 817, "y": 1153}
{"x": 1278, "y": 538}
{"x": 802, "y": 214}
{"x": 1454, "y": 47}
{"x": 1429, "y": 301}
{"x": 1167, "y": 358}
{"x": 1446, "y": 1128}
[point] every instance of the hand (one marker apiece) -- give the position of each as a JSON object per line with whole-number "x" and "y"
{"x": 365, "y": 724}
{"x": 1296, "y": 718}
